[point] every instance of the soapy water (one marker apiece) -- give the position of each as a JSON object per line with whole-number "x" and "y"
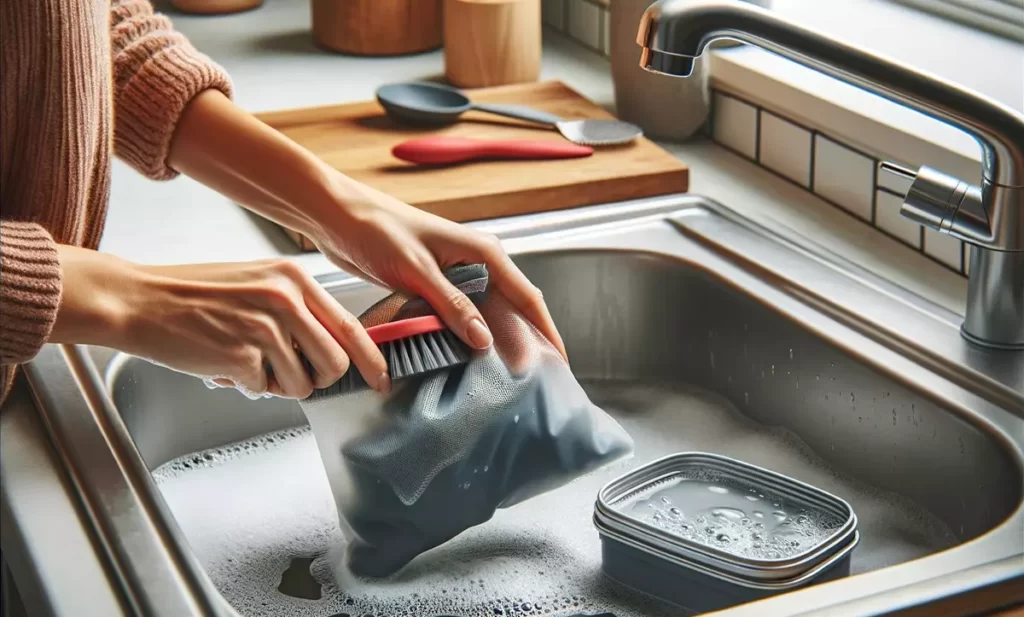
{"x": 272, "y": 504}
{"x": 740, "y": 520}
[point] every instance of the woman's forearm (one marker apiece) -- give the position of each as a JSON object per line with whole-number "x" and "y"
{"x": 230, "y": 151}
{"x": 95, "y": 298}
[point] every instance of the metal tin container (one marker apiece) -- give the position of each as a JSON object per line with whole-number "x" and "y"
{"x": 706, "y": 531}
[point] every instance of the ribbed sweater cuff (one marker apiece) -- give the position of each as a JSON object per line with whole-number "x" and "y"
{"x": 30, "y": 290}
{"x": 150, "y": 104}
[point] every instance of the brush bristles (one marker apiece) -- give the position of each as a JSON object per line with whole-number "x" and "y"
{"x": 416, "y": 355}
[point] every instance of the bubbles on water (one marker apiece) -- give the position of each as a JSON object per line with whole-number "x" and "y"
{"x": 248, "y": 541}
{"x": 720, "y": 518}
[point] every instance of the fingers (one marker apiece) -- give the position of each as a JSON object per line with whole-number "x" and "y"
{"x": 453, "y": 306}
{"x": 523, "y": 294}
{"x": 342, "y": 327}
{"x": 288, "y": 376}
{"x": 329, "y": 360}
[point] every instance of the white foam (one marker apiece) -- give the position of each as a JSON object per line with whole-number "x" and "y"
{"x": 249, "y": 509}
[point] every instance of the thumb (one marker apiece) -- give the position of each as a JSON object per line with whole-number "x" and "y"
{"x": 454, "y": 308}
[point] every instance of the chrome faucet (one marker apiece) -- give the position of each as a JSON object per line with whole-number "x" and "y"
{"x": 989, "y": 215}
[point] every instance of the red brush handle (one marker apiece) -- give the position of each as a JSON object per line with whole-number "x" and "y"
{"x": 444, "y": 150}
{"x": 385, "y": 333}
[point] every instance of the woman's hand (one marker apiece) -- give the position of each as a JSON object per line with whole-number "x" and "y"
{"x": 362, "y": 230}
{"x": 392, "y": 244}
{"x": 231, "y": 320}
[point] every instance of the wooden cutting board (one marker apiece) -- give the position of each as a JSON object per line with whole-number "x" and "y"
{"x": 357, "y": 139}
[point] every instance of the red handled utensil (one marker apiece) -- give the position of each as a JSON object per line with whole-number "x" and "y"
{"x": 447, "y": 150}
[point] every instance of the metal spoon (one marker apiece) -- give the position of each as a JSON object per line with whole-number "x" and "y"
{"x": 435, "y": 104}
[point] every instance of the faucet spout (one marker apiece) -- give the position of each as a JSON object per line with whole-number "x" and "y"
{"x": 986, "y": 212}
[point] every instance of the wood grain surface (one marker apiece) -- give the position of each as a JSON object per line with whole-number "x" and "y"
{"x": 491, "y": 42}
{"x": 357, "y": 139}
{"x": 378, "y": 27}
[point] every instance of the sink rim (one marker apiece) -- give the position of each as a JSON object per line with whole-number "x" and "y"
{"x": 95, "y": 398}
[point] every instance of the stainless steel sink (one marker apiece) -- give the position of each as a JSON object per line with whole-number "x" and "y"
{"x": 696, "y": 329}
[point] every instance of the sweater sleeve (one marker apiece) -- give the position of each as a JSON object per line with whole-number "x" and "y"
{"x": 156, "y": 73}
{"x": 30, "y": 289}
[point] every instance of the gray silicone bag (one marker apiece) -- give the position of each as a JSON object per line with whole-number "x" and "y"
{"x": 445, "y": 450}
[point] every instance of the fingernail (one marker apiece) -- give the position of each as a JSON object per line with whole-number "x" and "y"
{"x": 479, "y": 335}
{"x": 384, "y": 383}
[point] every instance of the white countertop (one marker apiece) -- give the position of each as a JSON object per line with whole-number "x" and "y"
{"x": 274, "y": 65}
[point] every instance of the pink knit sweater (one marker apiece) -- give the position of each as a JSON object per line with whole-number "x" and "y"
{"x": 79, "y": 80}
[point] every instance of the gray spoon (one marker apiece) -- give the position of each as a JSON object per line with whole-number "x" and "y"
{"x": 435, "y": 104}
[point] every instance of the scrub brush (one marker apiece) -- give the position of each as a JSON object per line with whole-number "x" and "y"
{"x": 413, "y": 346}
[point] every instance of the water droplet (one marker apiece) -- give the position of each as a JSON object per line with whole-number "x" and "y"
{"x": 751, "y": 498}
{"x": 516, "y": 419}
{"x": 723, "y": 538}
{"x": 758, "y": 514}
{"x": 790, "y": 353}
{"x": 758, "y": 525}
{"x": 675, "y": 511}
{"x": 721, "y": 490}
{"x": 773, "y": 369}
{"x": 801, "y": 519}
{"x": 665, "y": 500}
{"x": 486, "y": 467}
{"x": 779, "y": 515}
{"x": 744, "y": 521}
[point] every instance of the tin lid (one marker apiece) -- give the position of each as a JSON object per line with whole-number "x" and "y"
{"x": 728, "y": 515}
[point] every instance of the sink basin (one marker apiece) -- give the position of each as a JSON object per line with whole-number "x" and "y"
{"x": 694, "y": 328}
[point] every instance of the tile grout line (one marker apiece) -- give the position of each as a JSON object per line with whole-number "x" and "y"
{"x": 757, "y": 136}
{"x": 874, "y": 192}
{"x": 813, "y": 167}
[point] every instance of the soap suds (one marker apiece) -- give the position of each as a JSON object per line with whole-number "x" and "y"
{"x": 542, "y": 557}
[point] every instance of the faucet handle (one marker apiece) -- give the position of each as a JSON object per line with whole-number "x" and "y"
{"x": 899, "y": 170}
{"x": 943, "y": 202}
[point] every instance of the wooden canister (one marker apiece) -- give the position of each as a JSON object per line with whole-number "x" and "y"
{"x": 491, "y": 42}
{"x": 215, "y": 7}
{"x": 378, "y": 27}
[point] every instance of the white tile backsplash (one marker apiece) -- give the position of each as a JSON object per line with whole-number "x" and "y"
{"x": 553, "y": 13}
{"x": 786, "y": 148}
{"x": 735, "y": 124}
{"x": 585, "y": 23}
{"x": 844, "y": 177}
{"x": 888, "y": 219}
{"x": 943, "y": 247}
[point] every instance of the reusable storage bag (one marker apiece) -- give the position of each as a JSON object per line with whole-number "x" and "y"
{"x": 443, "y": 451}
